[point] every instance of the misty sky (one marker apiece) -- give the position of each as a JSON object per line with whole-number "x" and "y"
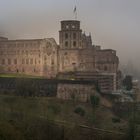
{"x": 113, "y": 23}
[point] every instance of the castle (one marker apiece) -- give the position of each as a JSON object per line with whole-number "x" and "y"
{"x": 74, "y": 58}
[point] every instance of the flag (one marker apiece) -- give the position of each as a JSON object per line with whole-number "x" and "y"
{"x": 74, "y": 11}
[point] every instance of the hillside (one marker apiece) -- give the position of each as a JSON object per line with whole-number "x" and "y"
{"x": 18, "y": 108}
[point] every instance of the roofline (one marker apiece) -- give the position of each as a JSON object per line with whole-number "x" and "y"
{"x": 70, "y": 21}
{"x": 20, "y": 40}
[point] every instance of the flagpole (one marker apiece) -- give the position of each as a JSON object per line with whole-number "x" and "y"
{"x": 75, "y": 12}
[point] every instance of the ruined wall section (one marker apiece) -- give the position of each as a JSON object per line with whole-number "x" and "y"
{"x": 68, "y": 60}
{"x": 106, "y": 61}
{"x": 75, "y": 92}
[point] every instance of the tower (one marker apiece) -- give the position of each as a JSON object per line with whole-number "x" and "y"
{"x": 70, "y": 35}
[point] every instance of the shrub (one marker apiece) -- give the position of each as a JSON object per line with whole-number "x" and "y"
{"x": 127, "y": 82}
{"x": 80, "y": 111}
{"x": 94, "y": 100}
{"x": 116, "y": 120}
{"x": 54, "y": 108}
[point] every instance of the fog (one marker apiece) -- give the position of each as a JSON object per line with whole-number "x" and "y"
{"x": 113, "y": 23}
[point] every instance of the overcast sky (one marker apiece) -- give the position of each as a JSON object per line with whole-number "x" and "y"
{"x": 113, "y": 24}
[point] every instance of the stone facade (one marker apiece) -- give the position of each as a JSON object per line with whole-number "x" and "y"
{"x": 75, "y": 53}
{"x": 76, "y": 92}
{"x": 33, "y": 57}
{"x": 62, "y": 89}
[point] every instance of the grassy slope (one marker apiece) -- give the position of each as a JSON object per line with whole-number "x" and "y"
{"x": 19, "y": 108}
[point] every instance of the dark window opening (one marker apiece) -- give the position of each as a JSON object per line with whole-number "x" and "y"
{"x": 66, "y": 36}
{"x": 105, "y": 68}
{"x": 74, "y": 35}
{"x": 27, "y": 61}
{"x": 66, "y": 44}
{"x": 31, "y": 61}
{"x": 9, "y": 61}
{"x": 35, "y": 61}
{"x": 3, "y": 61}
{"x": 74, "y": 43}
{"x": 52, "y": 62}
{"x": 23, "y": 61}
{"x": 15, "y": 61}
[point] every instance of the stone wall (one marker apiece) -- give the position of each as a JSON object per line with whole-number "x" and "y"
{"x": 62, "y": 89}
{"x": 39, "y": 87}
{"x": 76, "y": 92}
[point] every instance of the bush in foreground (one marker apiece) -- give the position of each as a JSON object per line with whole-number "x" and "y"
{"x": 80, "y": 111}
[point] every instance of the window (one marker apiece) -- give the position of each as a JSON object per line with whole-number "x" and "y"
{"x": 26, "y": 52}
{"x": 35, "y": 61}
{"x": 73, "y": 26}
{"x": 18, "y": 52}
{"x": 67, "y": 26}
{"x": 74, "y": 35}
{"x": 23, "y": 61}
{"x": 52, "y": 62}
{"x": 74, "y": 43}
{"x": 80, "y": 44}
{"x": 22, "y": 69}
{"x": 22, "y": 52}
{"x": 15, "y": 61}
{"x": 66, "y": 35}
{"x": 27, "y": 61}
{"x": 31, "y": 61}
{"x": 105, "y": 68}
{"x": 9, "y": 61}
{"x": 3, "y": 61}
{"x": 45, "y": 58}
{"x": 66, "y": 44}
